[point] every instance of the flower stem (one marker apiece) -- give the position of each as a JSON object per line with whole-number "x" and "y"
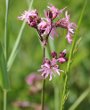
{"x": 43, "y": 94}
{"x": 64, "y": 92}
{"x": 4, "y": 99}
{"x": 43, "y": 88}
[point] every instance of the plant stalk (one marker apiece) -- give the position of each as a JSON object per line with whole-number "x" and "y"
{"x": 43, "y": 88}
{"x": 43, "y": 94}
{"x": 5, "y": 52}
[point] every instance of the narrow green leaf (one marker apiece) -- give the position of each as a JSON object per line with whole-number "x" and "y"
{"x": 17, "y": 43}
{"x": 3, "y": 69}
{"x": 5, "y": 33}
{"x": 80, "y": 99}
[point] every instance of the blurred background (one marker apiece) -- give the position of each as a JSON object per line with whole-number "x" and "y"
{"x": 29, "y": 57}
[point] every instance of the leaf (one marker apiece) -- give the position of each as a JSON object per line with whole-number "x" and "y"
{"x": 80, "y": 99}
{"x": 3, "y": 69}
{"x": 6, "y": 37}
{"x": 17, "y": 43}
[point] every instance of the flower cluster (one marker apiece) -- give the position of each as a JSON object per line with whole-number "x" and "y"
{"x": 51, "y": 67}
{"x": 46, "y": 26}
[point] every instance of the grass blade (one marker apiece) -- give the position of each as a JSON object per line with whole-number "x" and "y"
{"x": 80, "y": 99}
{"x": 17, "y": 43}
{"x": 3, "y": 68}
{"x": 5, "y": 34}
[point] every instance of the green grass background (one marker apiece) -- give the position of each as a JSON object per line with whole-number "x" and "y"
{"x": 29, "y": 56}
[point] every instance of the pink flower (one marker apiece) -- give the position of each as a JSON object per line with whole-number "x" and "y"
{"x": 69, "y": 37}
{"x": 33, "y": 78}
{"x": 34, "y": 82}
{"x": 54, "y": 54}
{"x": 44, "y": 27}
{"x": 62, "y": 57}
{"x": 63, "y": 53}
{"x": 65, "y": 23}
{"x": 53, "y": 12}
{"x": 53, "y": 32}
{"x": 28, "y": 105}
{"x": 49, "y": 68}
{"x": 31, "y": 17}
{"x": 61, "y": 60}
{"x": 47, "y": 28}
{"x": 22, "y": 104}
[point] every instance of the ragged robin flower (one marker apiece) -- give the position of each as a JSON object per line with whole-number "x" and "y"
{"x": 65, "y": 23}
{"x": 53, "y": 12}
{"x": 50, "y": 67}
{"x": 46, "y": 27}
{"x": 31, "y": 17}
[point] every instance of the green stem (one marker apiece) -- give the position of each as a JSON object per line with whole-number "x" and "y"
{"x": 6, "y": 53}
{"x": 43, "y": 94}
{"x": 43, "y": 88}
{"x": 63, "y": 93}
{"x": 4, "y": 99}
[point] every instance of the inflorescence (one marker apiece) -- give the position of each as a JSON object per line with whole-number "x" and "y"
{"x": 46, "y": 27}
